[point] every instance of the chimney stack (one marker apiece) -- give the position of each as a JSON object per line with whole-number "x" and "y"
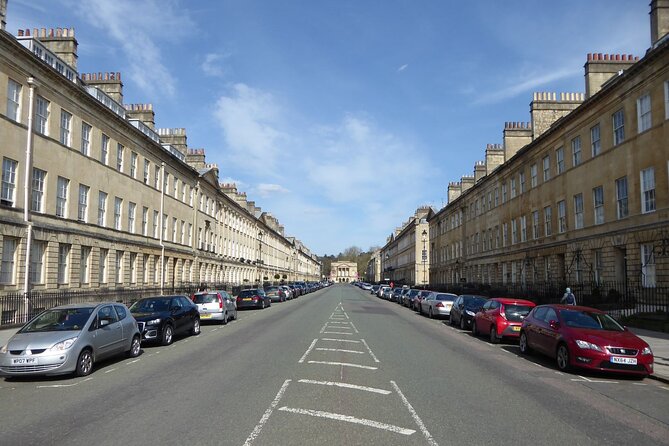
{"x": 59, "y": 41}
{"x": 546, "y": 109}
{"x": 174, "y": 137}
{"x": 142, "y": 112}
{"x": 516, "y": 136}
{"x": 659, "y": 20}
{"x": 479, "y": 171}
{"x": 601, "y": 67}
{"x": 494, "y": 157}
{"x": 109, "y": 82}
{"x": 454, "y": 191}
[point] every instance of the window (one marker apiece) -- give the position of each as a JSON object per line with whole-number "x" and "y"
{"x": 156, "y": 177}
{"x": 145, "y": 268}
{"x": 643, "y": 113}
{"x": 578, "y": 211}
{"x": 496, "y": 197}
{"x": 102, "y": 209}
{"x": 666, "y": 99}
{"x": 166, "y": 182}
{"x": 37, "y": 249}
{"x": 131, "y": 217}
{"x": 621, "y": 197}
{"x": 145, "y": 221}
{"x": 119, "y": 157}
{"x": 63, "y": 263}
{"x": 562, "y": 216}
{"x": 183, "y": 191}
{"x": 190, "y": 234}
{"x": 104, "y": 148}
{"x": 65, "y": 128}
{"x": 85, "y": 265}
{"x": 86, "y": 139}
{"x": 37, "y": 195}
{"x": 176, "y": 188}
{"x": 514, "y": 232}
{"x": 533, "y": 175}
{"x": 535, "y": 225}
{"x": 648, "y": 190}
{"x": 82, "y": 209}
{"x": 183, "y": 232}
{"x": 42, "y": 115}
{"x": 521, "y": 181}
{"x": 14, "y": 101}
{"x": 595, "y": 140}
{"x": 503, "y": 193}
{"x": 118, "y": 267}
{"x": 165, "y": 226}
{"x": 133, "y": 164}
{"x": 559, "y": 160}
{"x": 102, "y": 271}
{"x": 513, "y": 187}
{"x": 174, "y": 229}
{"x": 647, "y": 266}
{"x": 147, "y": 166}
{"x": 598, "y": 200}
{"x": 523, "y": 228}
{"x": 133, "y": 267}
{"x": 576, "y": 151}
{"x": 7, "y": 194}
{"x": 599, "y": 265}
{"x": 118, "y": 205}
{"x": 547, "y": 168}
{"x": 8, "y": 267}
{"x": 61, "y": 197}
{"x": 618, "y": 127}
{"x": 155, "y": 224}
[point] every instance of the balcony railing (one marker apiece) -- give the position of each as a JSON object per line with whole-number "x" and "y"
{"x": 48, "y": 57}
{"x": 107, "y": 101}
{"x": 145, "y": 129}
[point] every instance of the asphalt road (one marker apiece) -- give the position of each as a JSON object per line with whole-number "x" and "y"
{"x": 336, "y": 367}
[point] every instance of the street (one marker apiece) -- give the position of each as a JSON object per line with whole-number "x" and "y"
{"x": 338, "y": 366}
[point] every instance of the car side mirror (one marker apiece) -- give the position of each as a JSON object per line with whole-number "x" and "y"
{"x": 554, "y": 325}
{"x": 104, "y": 322}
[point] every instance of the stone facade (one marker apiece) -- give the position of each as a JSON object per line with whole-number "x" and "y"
{"x": 344, "y": 272}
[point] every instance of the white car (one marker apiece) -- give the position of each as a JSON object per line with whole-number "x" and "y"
{"x": 437, "y": 304}
{"x": 215, "y": 306}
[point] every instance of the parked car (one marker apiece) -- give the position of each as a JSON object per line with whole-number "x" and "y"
{"x": 366, "y": 286}
{"x": 419, "y": 298}
{"x": 287, "y": 291}
{"x": 387, "y": 293}
{"x": 296, "y": 290}
{"x": 501, "y": 318}
{"x": 382, "y": 289}
{"x": 160, "y": 318}
{"x": 70, "y": 339}
{"x": 275, "y": 294}
{"x": 253, "y": 298}
{"x": 464, "y": 309}
{"x": 585, "y": 338}
{"x": 396, "y": 294}
{"x": 437, "y": 304}
{"x": 407, "y": 299}
{"x": 216, "y": 306}
{"x": 374, "y": 289}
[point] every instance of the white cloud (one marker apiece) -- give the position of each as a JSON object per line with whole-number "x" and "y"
{"x": 265, "y": 190}
{"x": 403, "y": 67}
{"x": 211, "y": 65}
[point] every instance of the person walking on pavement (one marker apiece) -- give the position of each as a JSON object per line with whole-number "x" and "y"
{"x": 568, "y": 298}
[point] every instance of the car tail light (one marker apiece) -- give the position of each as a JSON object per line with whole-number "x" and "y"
{"x": 239, "y": 299}
{"x": 501, "y": 312}
{"x": 440, "y": 305}
{"x": 220, "y": 302}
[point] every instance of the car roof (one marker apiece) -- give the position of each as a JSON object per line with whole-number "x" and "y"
{"x": 84, "y": 305}
{"x": 574, "y": 307}
{"x": 510, "y": 300}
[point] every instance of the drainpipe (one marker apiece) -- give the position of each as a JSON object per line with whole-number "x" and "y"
{"x": 26, "y": 191}
{"x": 162, "y": 226}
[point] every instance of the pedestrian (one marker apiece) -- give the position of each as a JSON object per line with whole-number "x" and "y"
{"x": 568, "y": 298}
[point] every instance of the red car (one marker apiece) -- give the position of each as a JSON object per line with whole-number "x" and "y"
{"x": 501, "y": 317}
{"x": 584, "y": 337}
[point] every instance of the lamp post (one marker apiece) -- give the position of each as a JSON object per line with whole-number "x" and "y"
{"x": 424, "y": 237}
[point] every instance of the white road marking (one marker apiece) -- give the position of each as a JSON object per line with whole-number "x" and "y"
{"x": 339, "y": 327}
{"x": 308, "y": 351}
{"x": 336, "y": 332}
{"x": 356, "y": 330}
{"x": 325, "y": 326}
{"x": 338, "y": 350}
{"x": 664, "y": 388}
{"x": 340, "y": 340}
{"x": 266, "y": 415}
{"x": 109, "y": 371}
{"x": 593, "y": 381}
{"x": 583, "y": 377}
{"x": 346, "y": 386}
{"x": 415, "y": 416}
{"x": 340, "y": 322}
{"x": 346, "y": 364}
{"x": 640, "y": 384}
{"x": 55, "y": 386}
{"x": 349, "y": 419}
{"x": 370, "y": 351}
{"x": 132, "y": 362}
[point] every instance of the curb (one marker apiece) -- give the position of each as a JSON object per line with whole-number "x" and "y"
{"x": 663, "y": 379}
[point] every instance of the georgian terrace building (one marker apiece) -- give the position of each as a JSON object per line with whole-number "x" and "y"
{"x": 580, "y": 193}
{"x": 94, "y": 196}
{"x": 344, "y": 272}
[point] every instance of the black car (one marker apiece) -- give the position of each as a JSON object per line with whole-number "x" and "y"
{"x": 409, "y": 297}
{"x": 464, "y": 309}
{"x": 253, "y": 298}
{"x": 160, "y": 318}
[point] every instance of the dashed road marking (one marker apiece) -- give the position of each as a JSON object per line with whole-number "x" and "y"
{"x": 370, "y": 351}
{"x": 339, "y": 350}
{"x": 349, "y": 419}
{"x": 55, "y": 386}
{"x": 313, "y": 343}
{"x": 341, "y": 340}
{"x": 110, "y": 370}
{"x": 344, "y": 364}
{"x": 346, "y": 386}
{"x": 256, "y": 430}
{"x": 132, "y": 362}
{"x": 415, "y": 416}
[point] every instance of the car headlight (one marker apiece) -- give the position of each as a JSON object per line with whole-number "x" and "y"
{"x": 63, "y": 345}
{"x": 587, "y": 345}
{"x": 153, "y": 322}
{"x": 3, "y": 350}
{"x": 471, "y": 313}
{"x": 646, "y": 351}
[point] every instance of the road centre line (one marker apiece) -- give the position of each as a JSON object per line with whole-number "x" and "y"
{"x": 345, "y": 364}
{"x": 340, "y": 340}
{"x": 256, "y": 430}
{"x": 370, "y": 351}
{"x": 349, "y": 419}
{"x": 346, "y": 386}
{"x": 415, "y": 416}
{"x": 337, "y": 332}
{"x": 313, "y": 343}
{"x": 55, "y": 386}
{"x": 338, "y": 350}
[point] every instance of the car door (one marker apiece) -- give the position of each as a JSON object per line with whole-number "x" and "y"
{"x": 179, "y": 315}
{"x": 127, "y": 324}
{"x": 484, "y": 322}
{"x": 548, "y": 336}
{"x": 456, "y": 311}
{"x": 533, "y": 326}
{"x": 107, "y": 333}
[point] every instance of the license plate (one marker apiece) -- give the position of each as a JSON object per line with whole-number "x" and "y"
{"x": 205, "y": 316}
{"x": 24, "y": 361}
{"x": 247, "y": 298}
{"x": 619, "y": 360}
{"x": 515, "y": 328}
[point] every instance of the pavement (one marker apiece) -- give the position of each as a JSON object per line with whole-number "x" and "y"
{"x": 658, "y": 342}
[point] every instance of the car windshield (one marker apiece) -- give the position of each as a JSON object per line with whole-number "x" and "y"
{"x": 446, "y": 297}
{"x": 590, "y": 320}
{"x": 516, "y": 313}
{"x": 474, "y": 303}
{"x": 150, "y": 306}
{"x": 59, "y": 320}
{"x": 208, "y": 298}
{"x": 272, "y": 288}
{"x": 247, "y": 293}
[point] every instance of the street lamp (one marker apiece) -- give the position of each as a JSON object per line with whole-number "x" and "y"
{"x": 424, "y": 256}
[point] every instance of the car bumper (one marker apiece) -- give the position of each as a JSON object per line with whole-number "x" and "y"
{"x": 592, "y": 360}
{"x": 204, "y": 317}
{"x": 249, "y": 304}
{"x": 152, "y": 333}
{"x": 511, "y": 331}
{"x": 42, "y": 364}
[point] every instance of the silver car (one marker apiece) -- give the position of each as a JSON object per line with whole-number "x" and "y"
{"x": 215, "y": 306}
{"x": 69, "y": 339}
{"x": 438, "y": 304}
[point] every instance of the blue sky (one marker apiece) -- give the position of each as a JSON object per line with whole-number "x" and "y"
{"x": 342, "y": 117}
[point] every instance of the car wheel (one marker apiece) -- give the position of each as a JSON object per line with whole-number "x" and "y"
{"x": 475, "y": 330}
{"x": 84, "y": 363}
{"x": 225, "y": 318}
{"x": 462, "y": 323}
{"x": 168, "y": 334}
{"x": 493, "y": 335}
{"x": 523, "y": 345}
{"x": 135, "y": 347}
{"x": 196, "y": 327}
{"x": 562, "y": 358}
